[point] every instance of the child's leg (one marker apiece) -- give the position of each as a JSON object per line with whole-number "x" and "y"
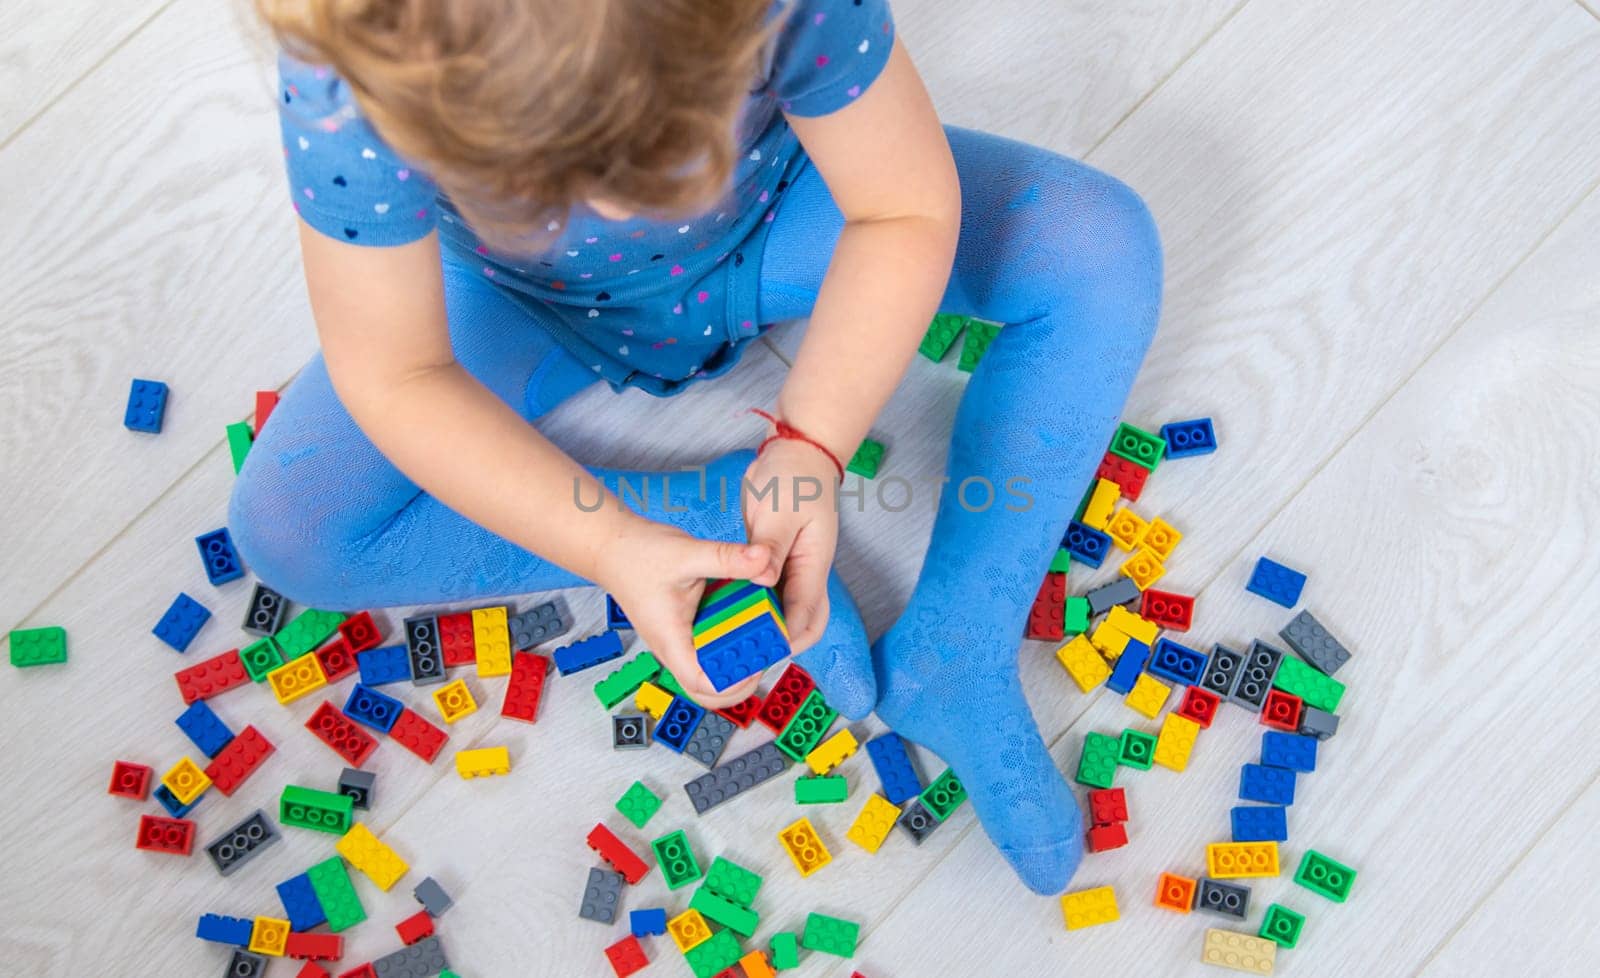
{"x": 321, "y": 515}
{"x": 1069, "y": 259}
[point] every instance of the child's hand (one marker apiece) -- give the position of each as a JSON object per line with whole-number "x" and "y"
{"x": 798, "y": 534}
{"x": 657, "y": 573}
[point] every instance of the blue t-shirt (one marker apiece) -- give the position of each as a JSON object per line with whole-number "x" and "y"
{"x": 647, "y": 304}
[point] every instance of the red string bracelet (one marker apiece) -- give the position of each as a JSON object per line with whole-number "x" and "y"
{"x": 785, "y": 430}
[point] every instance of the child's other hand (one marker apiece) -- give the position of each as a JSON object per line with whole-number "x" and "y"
{"x": 658, "y": 573}
{"x": 799, "y": 534}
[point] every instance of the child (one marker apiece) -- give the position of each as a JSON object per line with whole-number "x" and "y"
{"x": 503, "y": 201}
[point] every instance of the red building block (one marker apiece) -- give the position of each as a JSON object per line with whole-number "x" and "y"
{"x": 265, "y": 402}
{"x": 1282, "y": 710}
{"x": 130, "y": 780}
{"x": 415, "y": 927}
{"x": 1128, "y": 475}
{"x": 418, "y": 735}
{"x": 315, "y": 947}
{"x": 616, "y": 852}
{"x": 785, "y": 697}
{"x": 363, "y": 971}
{"x": 1199, "y": 705}
{"x": 1107, "y": 806}
{"x": 626, "y": 956}
{"x": 1169, "y": 610}
{"x": 525, "y": 686}
{"x": 741, "y": 713}
{"x": 1047, "y": 617}
{"x": 170, "y": 835}
{"x": 206, "y": 679}
{"x": 457, "y": 647}
{"x": 341, "y": 733}
{"x": 1104, "y": 837}
{"x": 238, "y": 760}
{"x": 337, "y": 659}
{"x": 311, "y": 969}
{"x": 360, "y": 632}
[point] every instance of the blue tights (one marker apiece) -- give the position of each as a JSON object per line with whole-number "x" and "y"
{"x": 1066, "y": 256}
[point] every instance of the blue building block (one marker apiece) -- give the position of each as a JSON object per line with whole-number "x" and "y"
{"x": 1260, "y": 823}
{"x": 1185, "y": 438}
{"x": 379, "y": 667}
{"x": 300, "y": 903}
{"x": 170, "y": 802}
{"x": 644, "y": 923}
{"x": 1129, "y": 664}
{"x": 1086, "y": 543}
{"x": 203, "y": 727}
{"x": 1176, "y": 662}
{"x": 182, "y": 622}
{"x": 1268, "y": 785}
{"x": 1292, "y": 752}
{"x": 371, "y": 708}
{"x": 1276, "y": 583}
{"x": 743, "y": 652}
{"x": 218, "y": 929}
{"x": 147, "y": 405}
{"x": 616, "y": 618}
{"x": 896, "y": 774}
{"x": 220, "y": 558}
{"x": 677, "y": 723}
{"x": 584, "y": 653}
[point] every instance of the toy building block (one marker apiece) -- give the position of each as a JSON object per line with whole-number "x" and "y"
{"x": 943, "y": 795}
{"x": 732, "y": 882}
{"x": 807, "y": 728}
{"x": 734, "y": 777}
{"x": 755, "y": 965}
{"x": 626, "y": 679}
{"x": 525, "y": 687}
{"x": 1130, "y": 624}
{"x": 1088, "y": 908}
{"x": 297, "y": 678}
{"x": 260, "y": 657}
{"x": 371, "y": 856}
{"x": 38, "y": 646}
{"x": 1118, "y": 592}
{"x": 1318, "y": 723}
{"x": 676, "y": 859}
{"x": 1241, "y": 860}
{"x": 300, "y": 906}
{"x": 646, "y": 923}
{"x": 601, "y": 894}
{"x": 1075, "y": 614}
{"x": 1175, "y": 662}
{"x": 1222, "y": 671}
{"x": 311, "y": 969}
{"x": 1103, "y": 497}
{"x": 219, "y": 929}
{"x": 221, "y": 559}
{"x": 1129, "y": 476}
{"x": 626, "y": 957}
{"x": 360, "y": 632}
{"x": 266, "y": 403}
{"x": 130, "y": 780}
{"x": 181, "y": 622}
{"x": 174, "y": 836}
{"x": 976, "y": 343}
{"x": 1086, "y": 544}
{"x": 941, "y": 335}
{"x": 415, "y": 927}
{"x": 1161, "y": 539}
{"x": 1260, "y": 823}
{"x": 241, "y": 843}
{"x": 1311, "y": 641}
{"x": 204, "y": 728}
{"x": 239, "y": 438}
{"x": 1171, "y": 611}
{"x": 309, "y": 629}
{"x": 168, "y": 801}
{"x": 455, "y": 701}
{"x": 1281, "y": 710}
{"x": 744, "y": 652}
{"x": 237, "y": 761}
{"x": 1186, "y": 439}
{"x": 544, "y": 622}
{"x": 424, "y": 959}
{"x": 312, "y": 948}
{"x": 804, "y": 846}
{"x": 1129, "y": 668}
{"x": 1282, "y": 926}
{"x": 867, "y": 459}
{"x": 830, "y": 935}
{"x": 1316, "y": 689}
{"x": 1079, "y": 658}
{"x": 742, "y": 713}
{"x": 308, "y": 808}
{"x": 638, "y": 804}
{"x": 245, "y": 964}
{"x": 1047, "y": 616}
{"x": 341, "y": 734}
{"x": 269, "y": 935}
{"x": 1228, "y": 899}
{"x": 1319, "y": 874}
{"x": 896, "y": 774}
{"x": 630, "y": 731}
{"x": 678, "y": 723}
{"x": 616, "y": 854}
{"x": 1238, "y": 952}
{"x": 1276, "y": 583}
{"x": 361, "y": 971}
{"x": 1199, "y": 705}
{"x": 712, "y": 958}
{"x": 709, "y": 740}
{"x": 1144, "y": 568}
{"x": 457, "y": 639}
{"x": 424, "y": 657}
{"x": 1110, "y": 640}
{"x": 1175, "y": 742}
{"x": 586, "y": 653}
{"x": 336, "y": 659}
{"x": 147, "y": 406}
{"x": 873, "y": 823}
{"x": 420, "y": 737}
{"x": 816, "y": 790}
{"x": 785, "y": 951}
{"x": 337, "y": 895}
{"x": 1270, "y": 785}
{"x": 1148, "y": 695}
{"x": 186, "y": 780}
{"x": 1136, "y": 749}
{"x": 653, "y": 700}
{"x": 432, "y": 896}
{"x": 740, "y": 920}
{"x": 1097, "y": 765}
{"x": 1261, "y": 664}
{"x": 1126, "y": 528}
{"x": 1138, "y": 446}
{"x": 264, "y": 614}
{"x": 1061, "y": 563}
{"x": 832, "y": 752}
{"x": 784, "y": 699}
{"x": 616, "y": 618}
{"x": 1103, "y": 838}
{"x": 1175, "y": 893}
{"x": 1108, "y": 806}
{"x": 371, "y": 708}
{"x": 491, "y": 641}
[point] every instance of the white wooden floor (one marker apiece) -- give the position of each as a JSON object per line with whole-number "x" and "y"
{"x": 1383, "y": 232}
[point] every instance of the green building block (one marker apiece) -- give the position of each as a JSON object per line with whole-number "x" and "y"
{"x": 308, "y": 808}
{"x": 979, "y": 335}
{"x": 1319, "y": 874}
{"x": 830, "y": 935}
{"x": 944, "y": 795}
{"x": 807, "y": 728}
{"x": 331, "y": 883}
{"x": 866, "y": 460}
{"x": 638, "y": 804}
{"x": 821, "y": 791}
{"x": 720, "y": 952}
{"x": 1306, "y": 682}
{"x": 941, "y": 335}
{"x": 676, "y": 860}
{"x": 1076, "y": 618}
{"x": 667, "y": 681}
{"x": 38, "y": 646}
{"x": 1138, "y": 446}
{"x": 309, "y": 629}
{"x": 1097, "y": 766}
{"x": 260, "y": 657}
{"x": 239, "y": 438}
{"x": 1282, "y": 926}
{"x": 625, "y": 681}
{"x": 741, "y": 920}
{"x": 739, "y": 607}
{"x": 1136, "y": 749}
{"x": 732, "y": 882}
{"x": 785, "y": 951}
{"x": 1061, "y": 562}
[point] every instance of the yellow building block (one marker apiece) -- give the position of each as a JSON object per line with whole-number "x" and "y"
{"x": 1143, "y": 568}
{"x": 1129, "y": 623}
{"x": 872, "y": 825}
{"x": 755, "y": 965}
{"x": 1125, "y": 528}
{"x": 186, "y": 781}
{"x": 455, "y": 701}
{"x": 832, "y": 752}
{"x": 1083, "y": 663}
{"x": 366, "y": 852}
{"x": 1239, "y": 860}
{"x": 1175, "y": 742}
{"x": 804, "y": 847}
{"x": 1160, "y": 538}
{"x": 1086, "y": 908}
{"x": 652, "y": 699}
{"x": 1101, "y": 502}
{"x": 492, "y": 640}
{"x": 759, "y": 609}
{"x": 689, "y": 930}
{"x": 483, "y": 762}
{"x": 268, "y": 936}
{"x": 1110, "y": 640}
{"x": 1148, "y": 695}
{"x": 1240, "y": 952}
{"x": 296, "y": 678}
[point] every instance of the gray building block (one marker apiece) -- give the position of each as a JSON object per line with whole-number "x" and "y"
{"x": 630, "y": 731}
{"x": 432, "y": 897}
{"x": 736, "y": 776}
{"x": 244, "y": 964}
{"x": 1255, "y": 678}
{"x": 1120, "y": 591}
{"x": 264, "y": 614}
{"x": 537, "y": 625}
{"x": 1222, "y": 671}
{"x": 1312, "y": 642}
{"x": 424, "y": 959}
{"x": 423, "y": 651}
{"x": 1318, "y": 723}
{"x": 709, "y": 740}
{"x": 918, "y": 822}
{"x": 241, "y": 843}
{"x": 601, "y": 895}
{"x": 1227, "y": 899}
{"x": 358, "y": 784}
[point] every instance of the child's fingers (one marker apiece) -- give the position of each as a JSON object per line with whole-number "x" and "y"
{"x": 805, "y": 603}
{"x": 777, "y": 547}
{"x": 714, "y": 559}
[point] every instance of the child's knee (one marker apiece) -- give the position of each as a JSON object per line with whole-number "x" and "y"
{"x": 277, "y": 543}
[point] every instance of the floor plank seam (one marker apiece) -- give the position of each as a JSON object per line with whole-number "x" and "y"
{"x": 1585, "y": 4}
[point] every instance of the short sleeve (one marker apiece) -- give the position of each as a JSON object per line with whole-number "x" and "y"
{"x": 345, "y": 181}
{"x": 829, "y": 52}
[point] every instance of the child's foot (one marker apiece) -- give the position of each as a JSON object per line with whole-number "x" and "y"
{"x": 841, "y": 661}
{"x": 959, "y": 696}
